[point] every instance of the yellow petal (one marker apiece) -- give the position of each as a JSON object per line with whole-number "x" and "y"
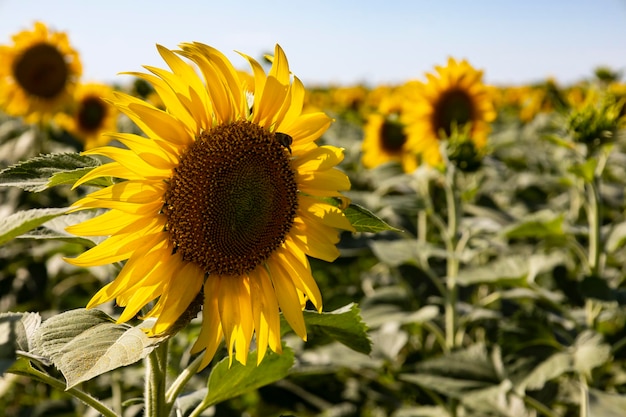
{"x": 180, "y": 291}
{"x": 298, "y": 268}
{"x": 324, "y": 212}
{"x": 265, "y": 312}
{"x": 287, "y": 297}
{"x": 211, "y": 332}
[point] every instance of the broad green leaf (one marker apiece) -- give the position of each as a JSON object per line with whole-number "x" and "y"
{"x": 501, "y": 270}
{"x": 589, "y": 352}
{"x": 343, "y": 325}
{"x": 493, "y": 400}
{"x": 227, "y": 382}
{"x": 405, "y": 251}
{"x": 605, "y": 404}
{"x": 456, "y": 373}
{"x": 454, "y": 387}
{"x": 421, "y": 411}
{"x": 540, "y": 225}
{"x": 364, "y": 220}
{"x": 553, "y": 367}
{"x": 585, "y": 170}
{"x": 70, "y": 177}
{"x": 24, "y": 221}
{"x": 378, "y": 315}
{"x": 473, "y": 363}
{"x": 37, "y": 173}
{"x": 55, "y": 229}
{"x": 616, "y": 238}
{"x": 84, "y": 343}
{"x": 16, "y": 332}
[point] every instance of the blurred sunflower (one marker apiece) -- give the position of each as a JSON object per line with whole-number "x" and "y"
{"x": 90, "y": 115}
{"x": 37, "y": 73}
{"x": 453, "y": 99}
{"x": 227, "y": 194}
{"x": 385, "y": 137}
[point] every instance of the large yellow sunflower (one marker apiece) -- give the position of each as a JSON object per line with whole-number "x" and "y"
{"x": 454, "y": 97}
{"x": 37, "y": 73}
{"x": 227, "y": 194}
{"x": 384, "y": 133}
{"x": 90, "y": 115}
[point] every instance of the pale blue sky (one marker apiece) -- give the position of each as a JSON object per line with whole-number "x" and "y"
{"x": 346, "y": 42}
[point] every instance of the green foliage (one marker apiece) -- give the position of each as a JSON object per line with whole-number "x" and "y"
{"x": 42, "y": 172}
{"x": 498, "y": 292}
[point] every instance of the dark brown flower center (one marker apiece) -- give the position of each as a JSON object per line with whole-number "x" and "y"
{"x": 232, "y": 199}
{"x": 454, "y": 107}
{"x": 41, "y": 71}
{"x": 392, "y": 137}
{"x": 91, "y": 113}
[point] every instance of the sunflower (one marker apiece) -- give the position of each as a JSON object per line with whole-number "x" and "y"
{"x": 91, "y": 115}
{"x": 385, "y": 137}
{"x": 37, "y": 73}
{"x": 228, "y": 194}
{"x": 453, "y": 98}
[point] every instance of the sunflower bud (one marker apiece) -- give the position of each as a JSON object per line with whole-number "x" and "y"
{"x": 596, "y": 123}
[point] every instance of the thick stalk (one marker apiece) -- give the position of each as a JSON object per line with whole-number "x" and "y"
{"x": 179, "y": 383}
{"x": 156, "y": 372}
{"x": 594, "y": 216}
{"x": 75, "y": 392}
{"x": 452, "y": 266}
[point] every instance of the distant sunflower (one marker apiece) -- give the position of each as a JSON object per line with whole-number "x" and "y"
{"x": 385, "y": 136}
{"x": 90, "y": 115}
{"x": 454, "y": 97}
{"x": 37, "y": 73}
{"x": 228, "y": 193}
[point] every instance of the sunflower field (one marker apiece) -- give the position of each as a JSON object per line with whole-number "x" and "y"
{"x": 214, "y": 238}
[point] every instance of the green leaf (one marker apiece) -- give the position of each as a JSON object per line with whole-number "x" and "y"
{"x": 616, "y": 238}
{"x": 590, "y": 352}
{"x": 70, "y": 177}
{"x": 455, "y": 374}
{"x": 501, "y": 270}
{"x": 343, "y": 325}
{"x": 605, "y": 404}
{"x": 378, "y": 315}
{"x": 405, "y": 251}
{"x": 24, "y": 221}
{"x": 16, "y": 329}
{"x": 55, "y": 229}
{"x": 539, "y": 225}
{"x": 84, "y": 343}
{"x": 553, "y": 367}
{"x": 38, "y": 174}
{"x": 227, "y": 382}
{"x": 585, "y": 170}
{"x": 364, "y": 220}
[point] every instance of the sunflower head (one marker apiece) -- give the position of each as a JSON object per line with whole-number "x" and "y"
{"x": 90, "y": 115}
{"x": 37, "y": 73}
{"x": 227, "y": 196}
{"x": 453, "y": 98}
{"x": 385, "y": 137}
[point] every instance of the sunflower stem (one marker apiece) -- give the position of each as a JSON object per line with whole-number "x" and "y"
{"x": 179, "y": 383}
{"x": 156, "y": 371}
{"x": 594, "y": 214}
{"x": 422, "y": 224}
{"x": 74, "y": 392}
{"x": 452, "y": 266}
